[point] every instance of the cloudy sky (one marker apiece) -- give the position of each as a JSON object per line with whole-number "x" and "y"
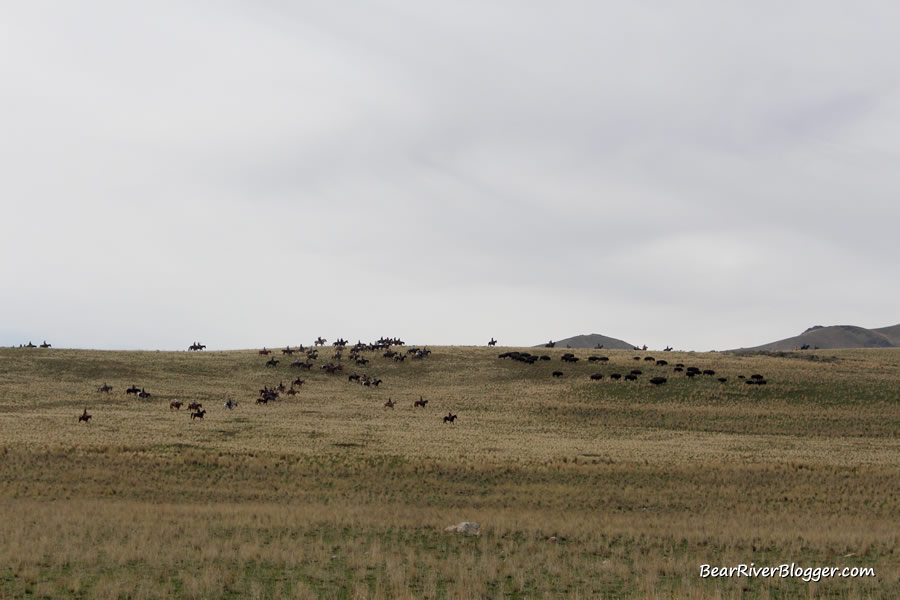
{"x": 696, "y": 174}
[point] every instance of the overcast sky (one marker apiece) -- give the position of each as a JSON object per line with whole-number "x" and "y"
{"x": 695, "y": 174}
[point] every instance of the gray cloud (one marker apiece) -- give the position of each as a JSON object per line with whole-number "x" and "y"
{"x": 702, "y": 175}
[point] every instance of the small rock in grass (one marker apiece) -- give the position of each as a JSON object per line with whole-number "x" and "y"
{"x": 465, "y": 527}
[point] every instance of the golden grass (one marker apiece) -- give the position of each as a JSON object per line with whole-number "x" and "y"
{"x": 329, "y": 494}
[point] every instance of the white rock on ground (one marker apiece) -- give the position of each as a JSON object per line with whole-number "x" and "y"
{"x": 466, "y": 527}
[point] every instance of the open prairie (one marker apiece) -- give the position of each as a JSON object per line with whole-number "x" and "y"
{"x": 583, "y": 489}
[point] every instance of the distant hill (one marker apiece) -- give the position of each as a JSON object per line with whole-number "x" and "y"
{"x": 838, "y": 336}
{"x": 591, "y": 341}
{"x": 891, "y": 333}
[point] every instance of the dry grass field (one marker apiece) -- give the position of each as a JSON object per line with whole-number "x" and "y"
{"x": 583, "y": 489}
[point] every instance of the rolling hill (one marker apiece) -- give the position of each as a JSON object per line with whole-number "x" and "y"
{"x": 592, "y": 341}
{"x": 838, "y": 336}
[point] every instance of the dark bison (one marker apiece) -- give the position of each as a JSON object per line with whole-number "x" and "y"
{"x": 658, "y": 380}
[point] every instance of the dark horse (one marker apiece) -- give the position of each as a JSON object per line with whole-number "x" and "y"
{"x": 420, "y": 402}
{"x": 449, "y": 418}
{"x": 84, "y": 417}
{"x": 196, "y": 346}
{"x": 550, "y": 344}
{"x": 493, "y": 342}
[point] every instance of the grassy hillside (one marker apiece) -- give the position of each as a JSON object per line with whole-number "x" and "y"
{"x": 592, "y": 341}
{"x": 891, "y": 333}
{"x": 838, "y": 336}
{"x": 583, "y": 489}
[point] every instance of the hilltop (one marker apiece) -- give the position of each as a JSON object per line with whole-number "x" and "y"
{"x": 838, "y": 336}
{"x": 592, "y": 341}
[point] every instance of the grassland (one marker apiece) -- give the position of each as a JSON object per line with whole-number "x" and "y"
{"x": 329, "y": 494}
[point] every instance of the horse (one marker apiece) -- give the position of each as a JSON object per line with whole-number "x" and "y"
{"x": 85, "y": 417}
{"x": 262, "y": 400}
{"x": 143, "y": 395}
{"x": 230, "y": 404}
{"x": 297, "y": 382}
{"x": 389, "y": 403}
{"x": 196, "y": 347}
{"x": 272, "y": 362}
{"x": 550, "y": 344}
{"x": 104, "y": 388}
{"x": 449, "y": 418}
{"x": 132, "y": 390}
{"x": 45, "y": 344}
{"x": 195, "y": 405}
{"x": 493, "y": 342}
{"x": 321, "y": 341}
{"x": 420, "y": 402}
{"x": 264, "y": 352}
{"x": 176, "y": 404}
{"x": 197, "y": 415}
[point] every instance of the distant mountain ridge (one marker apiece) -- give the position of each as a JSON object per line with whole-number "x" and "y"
{"x": 592, "y": 341}
{"x": 837, "y": 336}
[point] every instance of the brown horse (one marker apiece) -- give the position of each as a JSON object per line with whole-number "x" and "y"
{"x": 420, "y": 402}
{"x": 389, "y": 403}
{"x": 176, "y": 404}
{"x": 104, "y": 388}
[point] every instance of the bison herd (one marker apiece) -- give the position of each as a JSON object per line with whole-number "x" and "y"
{"x": 688, "y": 372}
{"x": 390, "y": 349}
